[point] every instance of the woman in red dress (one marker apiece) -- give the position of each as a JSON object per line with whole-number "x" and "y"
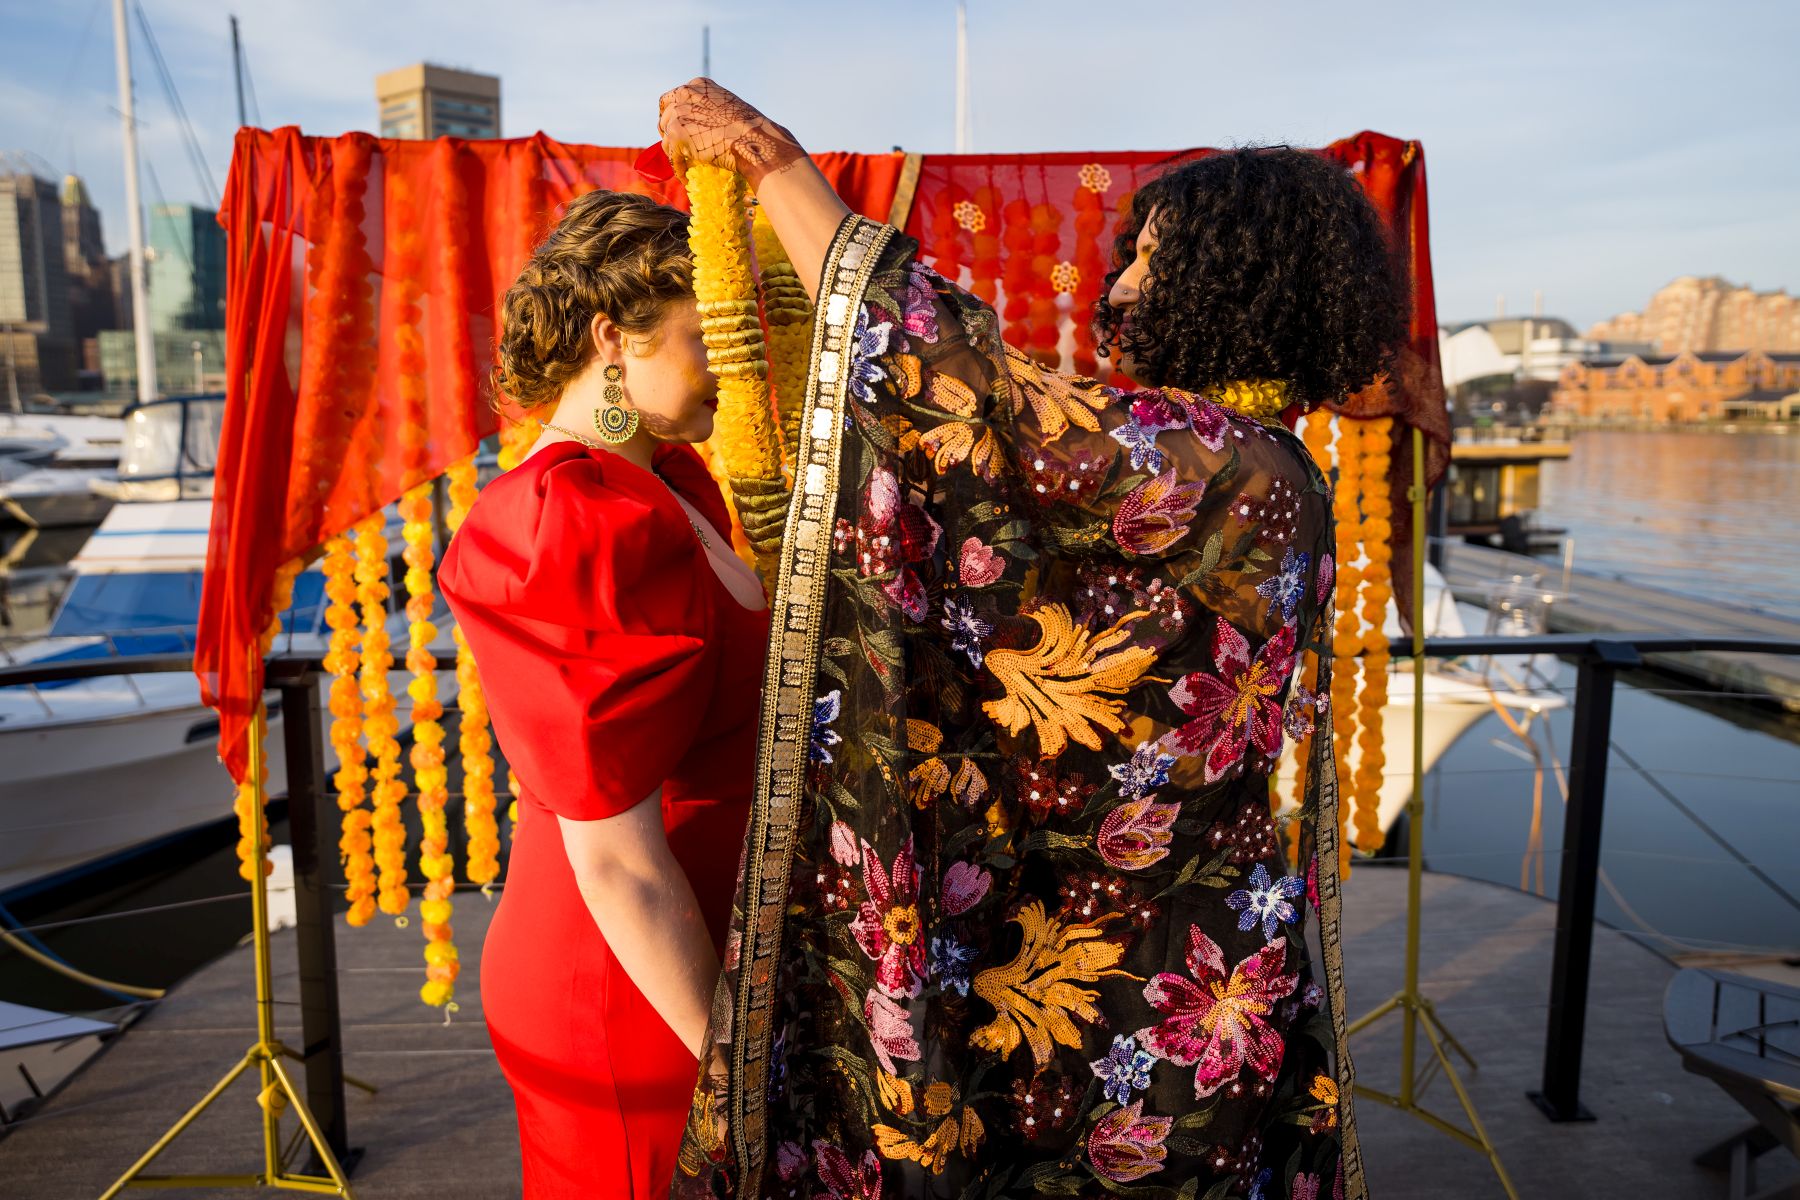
{"x": 621, "y": 646}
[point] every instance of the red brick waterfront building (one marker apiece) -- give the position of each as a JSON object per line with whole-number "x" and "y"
{"x": 1690, "y": 386}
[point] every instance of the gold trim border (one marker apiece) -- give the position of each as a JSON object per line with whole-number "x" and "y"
{"x": 1325, "y": 853}
{"x": 796, "y": 624}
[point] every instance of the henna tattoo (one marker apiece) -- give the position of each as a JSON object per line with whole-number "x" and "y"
{"x": 702, "y": 121}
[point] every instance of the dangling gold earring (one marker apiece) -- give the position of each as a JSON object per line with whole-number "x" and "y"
{"x": 615, "y": 423}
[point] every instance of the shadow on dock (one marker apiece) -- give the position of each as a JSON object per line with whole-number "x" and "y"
{"x": 443, "y": 1124}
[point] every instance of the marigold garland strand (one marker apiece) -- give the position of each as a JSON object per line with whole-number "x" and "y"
{"x": 253, "y": 818}
{"x": 474, "y": 740}
{"x": 1377, "y": 591}
{"x": 343, "y": 661}
{"x": 788, "y": 312}
{"x": 725, "y": 293}
{"x": 380, "y": 723}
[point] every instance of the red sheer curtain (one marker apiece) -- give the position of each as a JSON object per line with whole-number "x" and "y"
{"x": 364, "y": 275}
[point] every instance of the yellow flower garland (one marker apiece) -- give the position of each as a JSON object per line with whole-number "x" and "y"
{"x": 725, "y": 292}
{"x": 380, "y": 725}
{"x": 253, "y": 819}
{"x": 516, "y": 438}
{"x": 1258, "y": 399}
{"x": 427, "y": 757}
{"x": 474, "y": 740}
{"x": 343, "y": 661}
{"x": 789, "y": 313}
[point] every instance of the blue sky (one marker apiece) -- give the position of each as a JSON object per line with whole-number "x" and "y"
{"x": 1593, "y": 149}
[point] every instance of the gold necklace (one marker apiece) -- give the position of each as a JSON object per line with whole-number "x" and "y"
{"x": 591, "y": 444}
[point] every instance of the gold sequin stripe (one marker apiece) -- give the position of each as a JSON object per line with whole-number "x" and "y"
{"x": 1322, "y": 779}
{"x": 797, "y": 620}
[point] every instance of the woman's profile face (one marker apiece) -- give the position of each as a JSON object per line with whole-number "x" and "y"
{"x": 1128, "y": 289}
{"x": 666, "y": 378}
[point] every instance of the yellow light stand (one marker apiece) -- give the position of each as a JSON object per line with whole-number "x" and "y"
{"x": 1415, "y": 1008}
{"x": 278, "y": 1090}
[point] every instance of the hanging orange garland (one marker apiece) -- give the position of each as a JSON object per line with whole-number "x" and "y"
{"x": 474, "y": 740}
{"x": 343, "y": 661}
{"x": 1377, "y": 592}
{"x": 380, "y": 724}
{"x": 253, "y": 818}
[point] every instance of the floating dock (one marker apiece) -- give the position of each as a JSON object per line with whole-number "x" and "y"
{"x": 442, "y": 1124}
{"x": 1598, "y": 604}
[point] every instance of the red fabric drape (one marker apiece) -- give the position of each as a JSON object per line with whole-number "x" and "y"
{"x": 363, "y": 278}
{"x": 364, "y": 274}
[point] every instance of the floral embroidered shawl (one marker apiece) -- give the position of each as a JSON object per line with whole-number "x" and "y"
{"x": 1014, "y": 918}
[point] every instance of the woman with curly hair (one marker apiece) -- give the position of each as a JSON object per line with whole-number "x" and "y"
{"x": 1014, "y": 917}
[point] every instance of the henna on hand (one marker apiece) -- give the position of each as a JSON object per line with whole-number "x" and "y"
{"x": 703, "y": 121}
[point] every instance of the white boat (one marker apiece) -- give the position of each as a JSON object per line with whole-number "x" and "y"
{"x": 94, "y": 767}
{"x": 55, "y": 469}
{"x": 1458, "y": 693}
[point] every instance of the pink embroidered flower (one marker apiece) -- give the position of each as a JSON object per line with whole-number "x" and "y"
{"x": 887, "y": 924}
{"x": 1326, "y": 577}
{"x": 1215, "y": 1023}
{"x": 1156, "y": 514}
{"x": 1208, "y": 421}
{"x": 844, "y": 846}
{"x": 1306, "y": 1186}
{"x": 1125, "y": 1145}
{"x": 890, "y": 1031}
{"x": 918, "y": 311}
{"x": 1237, "y": 707}
{"x": 790, "y": 1161}
{"x": 894, "y": 535}
{"x": 979, "y": 565}
{"x": 964, "y": 886}
{"x": 846, "y": 1180}
{"x": 1136, "y": 834}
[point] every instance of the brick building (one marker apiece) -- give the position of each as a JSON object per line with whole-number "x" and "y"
{"x": 1709, "y": 315}
{"x": 1689, "y": 386}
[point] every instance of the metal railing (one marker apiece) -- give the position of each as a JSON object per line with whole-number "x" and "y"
{"x": 1599, "y": 658}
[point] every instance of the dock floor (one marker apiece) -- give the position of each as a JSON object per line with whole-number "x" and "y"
{"x": 1598, "y": 604}
{"x": 442, "y": 1127}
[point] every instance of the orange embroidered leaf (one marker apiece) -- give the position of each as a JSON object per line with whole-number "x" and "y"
{"x": 1036, "y": 997}
{"x": 1058, "y": 400}
{"x": 923, "y": 736}
{"x": 1063, "y": 686}
{"x": 932, "y": 1154}
{"x": 952, "y": 395}
{"x": 954, "y": 442}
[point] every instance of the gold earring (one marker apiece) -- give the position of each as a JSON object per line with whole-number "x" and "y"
{"x": 615, "y": 423}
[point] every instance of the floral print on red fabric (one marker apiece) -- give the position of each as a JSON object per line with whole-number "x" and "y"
{"x": 1217, "y": 1021}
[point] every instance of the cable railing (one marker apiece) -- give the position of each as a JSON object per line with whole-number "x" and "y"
{"x": 1599, "y": 660}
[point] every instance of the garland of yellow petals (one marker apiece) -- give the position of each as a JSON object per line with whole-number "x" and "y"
{"x": 253, "y": 817}
{"x": 474, "y": 740}
{"x": 427, "y": 756}
{"x": 725, "y": 292}
{"x": 516, "y": 438}
{"x": 380, "y": 724}
{"x": 788, "y": 312}
{"x": 343, "y": 661}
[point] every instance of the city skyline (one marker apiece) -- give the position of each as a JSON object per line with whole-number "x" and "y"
{"x": 1561, "y": 156}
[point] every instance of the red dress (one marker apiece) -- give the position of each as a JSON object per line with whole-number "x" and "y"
{"x": 614, "y": 660}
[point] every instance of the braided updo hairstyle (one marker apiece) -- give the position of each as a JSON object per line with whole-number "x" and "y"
{"x": 615, "y": 254}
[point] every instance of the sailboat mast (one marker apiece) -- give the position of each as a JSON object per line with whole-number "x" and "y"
{"x": 237, "y": 72}
{"x": 140, "y": 293}
{"x": 962, "y": 76}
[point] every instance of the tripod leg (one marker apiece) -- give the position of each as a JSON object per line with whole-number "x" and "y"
{"x": 349, "y": 1079}
{"x": 1373, "y": 1015}
{"x": 1468, "y": 1106}
{"x": 162, "y": 1143}
{"x": 1431, "y": 1015}
{"x": 320, "y": 1146}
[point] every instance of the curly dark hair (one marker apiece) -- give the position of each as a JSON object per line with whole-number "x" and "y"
{"x": 1269, "y": 264}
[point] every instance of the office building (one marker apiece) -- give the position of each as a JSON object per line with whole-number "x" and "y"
{"x": 37, "y": 344}
{"x": 91, "y": 307}
{"x": 426, "y": 101}
{"x": 186, "y": 269}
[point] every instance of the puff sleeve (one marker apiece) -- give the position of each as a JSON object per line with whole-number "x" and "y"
{"x": 576, "y": 582}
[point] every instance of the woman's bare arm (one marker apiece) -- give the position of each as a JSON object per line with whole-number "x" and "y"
{"x": 646, "y": 910}
{"x": 704, "y": 122}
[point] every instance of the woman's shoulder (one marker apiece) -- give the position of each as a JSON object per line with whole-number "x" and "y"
{"x": 568, "y": 523}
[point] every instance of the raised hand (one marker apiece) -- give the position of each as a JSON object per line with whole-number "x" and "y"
{"x": 703, "y": 121}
